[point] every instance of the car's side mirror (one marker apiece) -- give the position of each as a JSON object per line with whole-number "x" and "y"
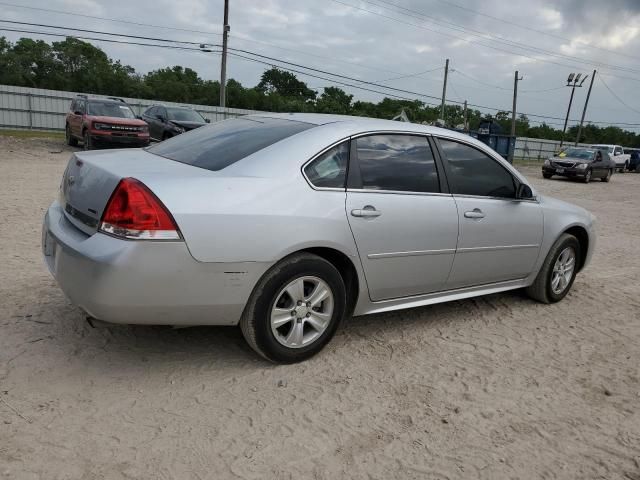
{"x": 139, "y": 117}
{"x": 524, "y": 192}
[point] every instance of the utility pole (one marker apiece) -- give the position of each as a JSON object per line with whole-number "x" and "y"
{"x": 466, "y": 121}
{"x": 223, "y": 66}
{"x": 572, "y": 82}
{"x": 516, "y": 79}
{"x": 584, "y": 112}
{"x": 444, "y": 88}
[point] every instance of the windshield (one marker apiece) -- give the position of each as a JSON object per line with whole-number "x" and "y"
{"x": 184, "y": 115}
{"x": 582, "y": 153}
{"x": 109, "y": 109}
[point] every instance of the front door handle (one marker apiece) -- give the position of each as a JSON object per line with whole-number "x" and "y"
{"x": 475, "y": 213}
{"x": 368, "y": 211}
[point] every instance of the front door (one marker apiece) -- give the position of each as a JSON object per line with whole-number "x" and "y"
{"x": 405, "y": 227}
{"x": 500, "y": 236}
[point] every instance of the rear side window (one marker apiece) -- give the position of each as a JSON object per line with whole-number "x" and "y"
{"x": 221, "y": 144}
{"x": 473, "y": 172}
{"x": 329, "y": 170}
{"x": 402, "y": 163}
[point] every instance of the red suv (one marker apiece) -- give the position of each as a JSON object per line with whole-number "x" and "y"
{"x": 104, "y": 121}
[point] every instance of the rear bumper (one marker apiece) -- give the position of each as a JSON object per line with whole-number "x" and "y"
{"x": 143, "y": 282}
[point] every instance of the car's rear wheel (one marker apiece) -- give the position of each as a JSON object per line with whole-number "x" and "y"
{"x": 558, "y": 271}
{"x": 295, "y": 309}
{"x": 87, "y": 141}
{"x": 71, "y": 140}
{"x": 546, "y": 175}
{"x": 607, "y": 177}
{"x": 587, "y": 176}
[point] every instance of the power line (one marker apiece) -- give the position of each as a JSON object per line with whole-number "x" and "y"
{"x": 560, "y": 37}
{"x": 490, "y": 36}
{"x": 617, "y": 97}
{"x": 82, "y": 37}
{"x": 475, "y": 42}
{"x": 273, "y": 59}
{"x": 236, "y": 38}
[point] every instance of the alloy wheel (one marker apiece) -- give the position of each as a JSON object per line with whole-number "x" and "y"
{"x": 302, "y": 311}
{"x": 563, "y": 270}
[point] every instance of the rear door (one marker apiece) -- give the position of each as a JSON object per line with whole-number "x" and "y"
{"x": 404, "y": 222}
{"x": 500, "y": 236}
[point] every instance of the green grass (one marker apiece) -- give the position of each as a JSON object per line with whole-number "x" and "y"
{"x": 31, "y": 134}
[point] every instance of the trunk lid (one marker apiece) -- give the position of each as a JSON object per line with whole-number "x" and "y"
{"x": 91, "y": 177}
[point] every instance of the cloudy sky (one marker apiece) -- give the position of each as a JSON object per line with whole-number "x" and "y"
{"x": 381, "y": 40}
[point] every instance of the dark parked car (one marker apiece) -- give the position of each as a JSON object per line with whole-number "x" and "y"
{"x": 104, "y": 122}
{"x": 634, "y": 160}
{"x": 582, "y": 163}
{"x": 166, "y": 122}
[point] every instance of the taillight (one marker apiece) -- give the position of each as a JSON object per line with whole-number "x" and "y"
{"x": 134, "y": 212}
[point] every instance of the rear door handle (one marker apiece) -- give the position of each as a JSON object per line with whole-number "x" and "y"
{"x": 368, "y": 211}
{"x": 475, "y": 213}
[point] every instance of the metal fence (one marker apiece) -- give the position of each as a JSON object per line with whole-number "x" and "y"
{"x": 537, "y": 150}
{"x": 40, "y": 109}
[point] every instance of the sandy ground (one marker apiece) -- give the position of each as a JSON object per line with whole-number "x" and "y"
{"x": 495, "y": 387}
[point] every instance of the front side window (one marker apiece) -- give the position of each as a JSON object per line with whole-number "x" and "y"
{"x": 473, "y": 172}
{"x": 402, "y": 163}
{"x": 218, "y": 145}
{"x": 329, "y": 170}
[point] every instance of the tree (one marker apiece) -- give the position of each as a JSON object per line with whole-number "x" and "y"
{"x": 284, "y": 84}
{"x": 334, "y": 100}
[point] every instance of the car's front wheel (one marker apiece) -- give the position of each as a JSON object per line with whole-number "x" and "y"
{"x": 607, "y": 177}
{"x": 587, "y": 176}
{"x": 546, "y": 175}
{"x": 295, "y": 309}
{"x": 558, "y": 271}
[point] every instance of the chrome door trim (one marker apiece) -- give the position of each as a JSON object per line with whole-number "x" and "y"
{"x": 415, "y": 253}
{"x": 492, "y": 249}
{"x": 397, "y": 192}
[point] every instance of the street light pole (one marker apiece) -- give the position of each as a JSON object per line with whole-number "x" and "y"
{"x": 572, "y": 82}
{"x": 444, "y": 88}
{"x": 223, "y": 66}
{"x": 584, "y": 111}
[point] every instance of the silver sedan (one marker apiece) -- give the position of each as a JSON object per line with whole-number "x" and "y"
{"x": 285, "y": 224}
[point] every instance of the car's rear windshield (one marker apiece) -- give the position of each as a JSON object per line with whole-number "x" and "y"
{"x": 221, "y": 144}
{"x": 109, "y": 109}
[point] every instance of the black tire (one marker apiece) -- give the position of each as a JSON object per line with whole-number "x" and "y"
{"x": 541, "y": 289}
{"x": 607, "y": 177}
{"x": 638, "y": 168}
{"x": 87, "y": 141}
{"x": 71, "y": 140}
{"x": 256, "y": 324}
{"x": 547, "y": 175}
{"x": 587, "y": 176}
{"x": 166, "y": 136}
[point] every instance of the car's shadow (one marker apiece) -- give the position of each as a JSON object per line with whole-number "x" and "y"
{"x": 209, "y": 345}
